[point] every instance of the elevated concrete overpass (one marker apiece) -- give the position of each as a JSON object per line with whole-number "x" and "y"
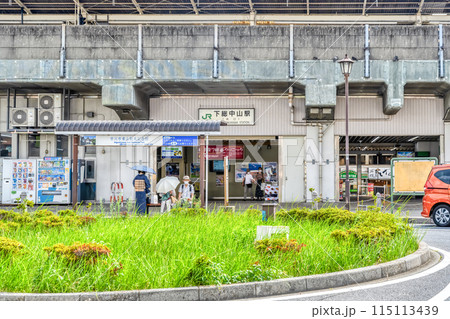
{"x": 127, "y": 64}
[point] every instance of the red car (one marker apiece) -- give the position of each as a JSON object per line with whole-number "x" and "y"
{"x": 436, "y": 202}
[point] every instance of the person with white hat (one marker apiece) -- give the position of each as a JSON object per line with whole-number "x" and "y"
{"x": 186, "y": 191}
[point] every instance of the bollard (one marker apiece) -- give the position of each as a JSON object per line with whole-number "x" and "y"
{"x": 378, "y": 202}
{"x": 314, "y": 195}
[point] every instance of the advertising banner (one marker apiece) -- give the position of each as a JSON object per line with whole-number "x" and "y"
{"x": 172, "y": 152}
{"x": 380, "y": 173}
{"x": 216, "y": 152}
{"x": 180, "y": 141}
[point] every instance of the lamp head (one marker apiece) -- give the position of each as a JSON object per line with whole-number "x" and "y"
{"x": 346, "y": 65}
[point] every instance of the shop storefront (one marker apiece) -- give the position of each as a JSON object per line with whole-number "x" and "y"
{"x": 180, "y": 161}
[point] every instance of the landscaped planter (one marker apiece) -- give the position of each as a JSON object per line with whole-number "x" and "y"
{"x": 70, "y": 254}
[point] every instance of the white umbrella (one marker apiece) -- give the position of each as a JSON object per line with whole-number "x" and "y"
{"x": 167, "y": 184}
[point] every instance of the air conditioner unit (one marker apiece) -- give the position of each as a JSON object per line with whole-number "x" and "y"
{"x": 22, "y": 117}
{"x": 49, "y": 109}
{"x": 49, "y": 101}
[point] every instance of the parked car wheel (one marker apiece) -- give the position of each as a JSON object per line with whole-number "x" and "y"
{"x": 441, "y": 215}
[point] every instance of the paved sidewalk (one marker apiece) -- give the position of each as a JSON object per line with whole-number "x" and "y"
{"x": 411, "y": 208}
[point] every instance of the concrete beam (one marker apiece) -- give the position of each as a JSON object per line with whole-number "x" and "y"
{"x": 129, "y": 102}
{"x": 156, "y": 19}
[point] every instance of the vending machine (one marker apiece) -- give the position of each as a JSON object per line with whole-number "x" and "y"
{"x": 19, "y": 179}
{"x": 53, "y": 181}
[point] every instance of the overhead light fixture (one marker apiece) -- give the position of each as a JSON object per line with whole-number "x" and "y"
{"x": 375, "y": 139}
{"x": 364, "y": 148}
{"x": 413, "y": 138}
{"x": 393, "y": 149}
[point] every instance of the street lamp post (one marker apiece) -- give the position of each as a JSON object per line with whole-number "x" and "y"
{"x": 346, "y": 68}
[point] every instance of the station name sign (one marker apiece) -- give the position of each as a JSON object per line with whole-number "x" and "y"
{"x": 230, "y": 116}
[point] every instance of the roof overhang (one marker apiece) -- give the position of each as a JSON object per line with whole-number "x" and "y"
{"x": 139, "y": 128}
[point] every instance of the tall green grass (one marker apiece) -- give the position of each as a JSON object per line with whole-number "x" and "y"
{"x": 159, "y": 251}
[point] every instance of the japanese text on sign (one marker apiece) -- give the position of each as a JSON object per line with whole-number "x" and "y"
{"x": 229, "y": 116}
{"x": 219, "y": 152}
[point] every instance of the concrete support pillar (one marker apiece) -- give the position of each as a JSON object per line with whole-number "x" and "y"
{"x": 129, "y": 102}
{"x": 336, "y": 168}
{"x": 393, "y": 95}
{"x": 328, "y": 164}
{"x": 23, "y": 145}
{"x": 203, "y": 169}
{"x": 313, "y": 159}
{"x": 14, "y": 145}
{"x": 291, "y": 158}
{"x": 75, "y": 142}
{"x": 447, "y": 106}
{"x": 47, "y": 145}
{"x": 153, "y": 164}
{"x": 320, "y": 95}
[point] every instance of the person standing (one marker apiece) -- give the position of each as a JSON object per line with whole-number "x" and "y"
{"x": 248, "y": 183}
{"x": 259, "y": 192}
{"x": 142, "y": 188}
{"x": 186, "y": 192}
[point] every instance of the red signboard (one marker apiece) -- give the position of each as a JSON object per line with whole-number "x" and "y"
{"x": 216, "y": 152}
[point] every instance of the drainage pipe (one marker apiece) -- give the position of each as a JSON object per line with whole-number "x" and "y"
{"x": 441, "y": 52}
{"x": 62, "y": 53}
{"x": 366, "y": 52}
{"x": 139, "y": 71}
{"x": 216, "y": 52}
{"x": 291, "y": 53}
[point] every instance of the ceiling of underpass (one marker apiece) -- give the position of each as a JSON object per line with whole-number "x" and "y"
{"x": 218, "y": 87}
{"x": 376, "y": 139}
{"x": 51, "y": 87}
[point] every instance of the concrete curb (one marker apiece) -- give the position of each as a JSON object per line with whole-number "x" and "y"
{"x": 245, "y": 290}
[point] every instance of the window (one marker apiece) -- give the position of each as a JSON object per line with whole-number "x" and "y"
{"x": 443, "y": 176}
{"x": 34, "y": 145}
{"x": 62, "y": 146}
{"x": 5, "y": 145}
{"x": 351, "y": 160}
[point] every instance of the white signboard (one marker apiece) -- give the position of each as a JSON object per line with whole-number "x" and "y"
{"x": 229, "y": 116}
{"x": 136, "y": 140}
{"x": 379, "y": 173}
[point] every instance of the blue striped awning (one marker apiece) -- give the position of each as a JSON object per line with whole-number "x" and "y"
{"x": 111, "y": 127}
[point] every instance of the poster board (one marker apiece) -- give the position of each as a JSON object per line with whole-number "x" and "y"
{"x": 241, "y": 170}
{"x": 408, "y": 175}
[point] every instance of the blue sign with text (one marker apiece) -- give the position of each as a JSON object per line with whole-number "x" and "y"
{"x": 180, "y": 141}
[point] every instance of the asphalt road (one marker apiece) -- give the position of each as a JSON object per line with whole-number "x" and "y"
{"x": 430, "y": 283}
